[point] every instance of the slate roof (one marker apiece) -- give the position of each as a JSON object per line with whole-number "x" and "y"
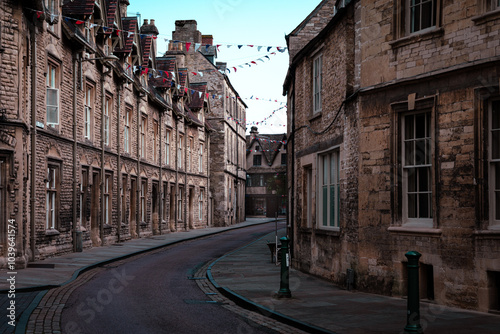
{"x": 74, "y": 32}
{"x": 270, "y": 144}
{"x": 111, "y": 6}
{"x": 129, "y": 25}
{"x": 196, "y": 100}
{"x": 192, "y": 117}
{"x": 78, "y": 8}
{"x": 183, "y": 73}
{"x": 146, "y": 46}
{"x": 165, "y": 67}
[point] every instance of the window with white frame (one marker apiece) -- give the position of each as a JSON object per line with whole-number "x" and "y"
{"x": 52, "y": 103}
{"x": 329, "y": 189}
{"x": 179, "y": 152}
{"x": 126, "y": 130}
{"x": 108, "y": 107}
{"x": 167, "y": 147}
{"x": 417, "y": 168}
{"x": 107, "y": 198}
{"x": 52, "y": 191}
{"x": 88, "y": 112}
{"x": 494, "y": 157}
{"x": 200, "y": 205}
{"x": 52, "y": 7}
{"x": 317, "y": 82}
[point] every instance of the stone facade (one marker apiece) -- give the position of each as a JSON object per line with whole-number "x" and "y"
{"x": 266, "y": 174}
{"x": 226, "y": 116}
{"x": 100, "y": 140}
{"x": 408, "y": 125}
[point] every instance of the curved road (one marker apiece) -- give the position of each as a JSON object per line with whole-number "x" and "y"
{"x": 157, "y": 293}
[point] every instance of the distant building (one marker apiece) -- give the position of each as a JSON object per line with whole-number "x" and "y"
{"x": 393, "y": 130}
{"x": 266, "y": 174}
{"x": 227, "y": 118}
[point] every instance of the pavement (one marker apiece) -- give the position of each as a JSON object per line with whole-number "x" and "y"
{"x": 249, "y": 278}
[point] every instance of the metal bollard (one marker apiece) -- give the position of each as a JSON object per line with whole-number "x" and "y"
{"x": 284, "y": 291}
{"x": 413, "y": 309}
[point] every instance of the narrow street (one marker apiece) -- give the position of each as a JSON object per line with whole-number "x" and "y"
{"x": 158, "y": 293}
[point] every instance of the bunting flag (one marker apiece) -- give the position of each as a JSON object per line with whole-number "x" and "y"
{"x": 130, "y": 33}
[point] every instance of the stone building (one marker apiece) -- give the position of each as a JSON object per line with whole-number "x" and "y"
{"x": 100, "y": 141}
{"x": 266, "y": 174}
{"x": 226, "y": 117}
{"x": 393, "y": 125}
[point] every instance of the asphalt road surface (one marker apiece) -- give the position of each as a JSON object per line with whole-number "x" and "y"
{"x": 157, "y": 293}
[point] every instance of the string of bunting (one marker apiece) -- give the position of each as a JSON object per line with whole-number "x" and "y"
{"x": 200, "y": 93}
{"x": 244, "y": 121}
{"x": 131, "y": 33}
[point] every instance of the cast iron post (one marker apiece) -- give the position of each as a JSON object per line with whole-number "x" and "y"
{"x": 413, "y": 309}
{"x": 284, "y": 291}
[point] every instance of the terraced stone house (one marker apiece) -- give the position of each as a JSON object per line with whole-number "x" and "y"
{"x": 393, "y": 146}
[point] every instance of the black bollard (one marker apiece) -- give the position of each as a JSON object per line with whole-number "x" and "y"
{"x": 284, "y": 291}
{"x": 413, "y": 309}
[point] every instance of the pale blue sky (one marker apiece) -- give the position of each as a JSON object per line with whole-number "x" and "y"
{"x": 239, "y": 22}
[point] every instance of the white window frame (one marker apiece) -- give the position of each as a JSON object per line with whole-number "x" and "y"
{"x": 53, "y": 9}
{"x": 494, "y": 164}
{"x": 410, "y": 164}
{"x": 200, "y": 205}
{"x": 327, "y": 180}
{"x": 53, "y": 82}
{"x": 179, "y": 152}
{"x": 53, "y": 178}
{"x": 317, "y": 82}
{"x": 108, "y": 104}
{"x": 126, "y": 130}
{"x": 88, "y": 108}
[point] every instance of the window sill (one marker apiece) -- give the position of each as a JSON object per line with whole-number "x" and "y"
{"x": 411, "y": 230}
{"x": 492, "y": 233}
{"x": 417, "y": 37}
{"x": 315, "y": 115}
{"x": 486, "y": 17}
{"x": 332, "y": 231}
{"x": 52, "y": 232}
